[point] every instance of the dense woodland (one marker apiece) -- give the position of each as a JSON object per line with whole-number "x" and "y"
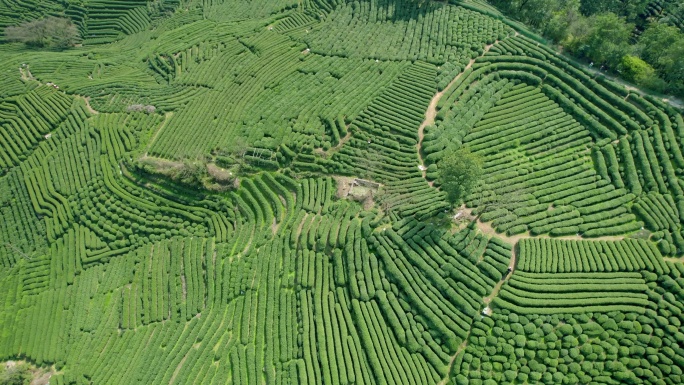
{"x": 641, "y": 41}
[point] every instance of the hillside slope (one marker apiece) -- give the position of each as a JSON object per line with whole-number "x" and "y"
{"x": 175, "y": 205}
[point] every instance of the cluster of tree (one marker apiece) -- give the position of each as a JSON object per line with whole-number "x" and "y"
{"x": 53, "y": 32}
{"x": 614, "y": 34}
{"x": 459, "y": 173}
{"x": 15, "y": 373}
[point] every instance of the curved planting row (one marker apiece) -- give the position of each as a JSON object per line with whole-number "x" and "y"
{"x": 26, "y": 119}
{"x": 591, "y": 344}
{"x": 170, "y": 282}
{"x": 116, "y": 275}
{"x": 104, "y": 21}
{"x": 411, "y": 198}
{"x": 441, "y": 281}
{"x": 570, "y": 293}
{"x": 532, "y": 114}
{"x": 219, "y": 115}
{"x": 384, "y": 135}
{"x": 11, "y": 12}
{"x": 436, "y": 33}
{"x": 557, "y": 256}
{"x": 22, "y": 233}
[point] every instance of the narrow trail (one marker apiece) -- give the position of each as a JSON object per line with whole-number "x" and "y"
{"x": 167, "y": 117}
{"x": 674, "y": 260}
{"x": 669, "y": 99}
{"x": 487, "y": 229}
{"x": 431, "y": 112}
{"x": 511, "y": 265}
{"x": 90, "y": 108}
{"x": 26, "y": 75}
{"x": 487, "y": 300}
{"x": 337, "y": 147}
{"x": 451, "y": 362}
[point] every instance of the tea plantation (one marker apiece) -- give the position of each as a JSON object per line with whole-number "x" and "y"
{"x": 176, "y": 208}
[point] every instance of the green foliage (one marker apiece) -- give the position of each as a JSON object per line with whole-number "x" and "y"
{"x": 48, "y": 32}
{"x": 636, "y": 70}
{"x": 116, "y": 268}
{"x": 601, "y": 31}
{"x": 606, "y": 42}
{"x": 663, "y": 46}
{"x": 459, "y": 172}
{"x": 15, "y": 374}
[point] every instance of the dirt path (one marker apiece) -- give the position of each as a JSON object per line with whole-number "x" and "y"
{"x": 511, "y": 265}
{"x": 26, "y": 75}
{"x": 672, "y": 100}
{"x": 90, "y": 108}
{"x": 451, "y": 362}
{"x": 301, "y": 225}
{"x": 336, "y": 148}
{"x": 342, "y": 142}
{"x": 674, "y": 260}
{"x": 178, "y": 368}
{"x": 431, "y": 112}
{"x": 167, "y": 117}
{"x": 487, "y": 229}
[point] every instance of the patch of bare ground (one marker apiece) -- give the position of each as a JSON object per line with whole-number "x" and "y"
{"x": 344, "y": 184}
{"x": 674, "y": 260}
{"x": 41, "y": 377}
{"x": 26, "y": 74}
{"x": 38, "y": 375}
{"x": 357, "y": 189}
{"x": 219, "y": 174}
{"x": 368, "y": 202}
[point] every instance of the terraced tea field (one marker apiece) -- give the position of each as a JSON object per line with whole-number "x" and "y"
{"x": 248, "y": 192}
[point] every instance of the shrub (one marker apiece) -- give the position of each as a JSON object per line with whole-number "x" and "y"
{"x": 49, "y": 32}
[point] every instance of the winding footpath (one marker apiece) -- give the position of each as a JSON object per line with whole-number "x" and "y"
{"x": 485, "y": 228}
{"x": 431, "y": 112}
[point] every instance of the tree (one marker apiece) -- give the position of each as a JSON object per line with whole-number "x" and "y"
{"x": 566, "y": 23}
{"x": 630, "y": 9}
{"x": 532, "y": 12}
{"x": 607, "y": 41}
{"x": 662, "y": 46}
{"x": 190, "y": 173}
{"x": 640, "y": 72}
{"x": 656, "y": 42}
{"x": 459, "y": 172}
{"x": 52, "y": 31}
{"x": 15, "y": 374}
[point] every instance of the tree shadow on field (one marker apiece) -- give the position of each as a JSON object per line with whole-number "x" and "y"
{"x": 403, "y": 10}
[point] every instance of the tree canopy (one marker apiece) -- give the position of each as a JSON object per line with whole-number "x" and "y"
{"x": 609, "y": 34}
{"x": 459, "y": 172}
{"x": 53, "y": 32}
{"x": 15, "y": 374}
